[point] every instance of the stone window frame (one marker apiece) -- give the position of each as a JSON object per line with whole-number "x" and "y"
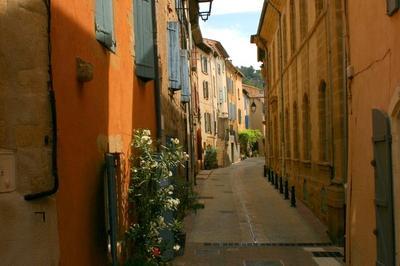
{"x": 293, "y": 40}
{"x": 303, "y": 19}
{"x": 323, "y": 121}
{"x": 284, "y": 35}
{"x": 296, "y": 151}
{"x": 319, "y": 6}
{"x": 287, "y": 132}
{"x": 275, "y": 141}
{"x": 394, "y": 114}
{"x": 306, "y": 110}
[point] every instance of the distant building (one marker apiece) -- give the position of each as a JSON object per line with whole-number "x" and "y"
{"x": 301, "y": 46}
{"x": 255, "y": 112}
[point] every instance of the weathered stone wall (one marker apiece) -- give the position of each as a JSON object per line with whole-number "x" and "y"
{"x": 28, "y": 232}
{"x": 317, "y": 59}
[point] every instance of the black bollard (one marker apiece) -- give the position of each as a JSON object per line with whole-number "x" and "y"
{"x": 272, "y": 177}
{"x": 286, "y": 190}
{"x": 280, "y": 185}
{"x": 293, "y": 199}
{"x": 265, "y": 171}
{"x": 276, "y": 182}
{"x": 269, "y": 175}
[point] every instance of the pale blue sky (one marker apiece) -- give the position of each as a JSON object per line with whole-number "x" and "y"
{"x": 232, "y": 22}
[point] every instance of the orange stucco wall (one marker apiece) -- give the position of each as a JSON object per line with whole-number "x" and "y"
{"x": 374, "y": 42}
{"x": 93, "y": 118}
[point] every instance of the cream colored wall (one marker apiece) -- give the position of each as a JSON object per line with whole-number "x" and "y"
{"x": 28, "y": 231}
{"x": 206, "y": 105}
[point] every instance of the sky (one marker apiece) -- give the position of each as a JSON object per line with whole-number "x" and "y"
{"x": 232, "y": 22}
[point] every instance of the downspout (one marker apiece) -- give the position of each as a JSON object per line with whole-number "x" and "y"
{"x": 52, "y": 100}
{"x": 328, "y": 33}
{"x": 346, "y": 60}
{"x": 282, "y": 116}
{"x": 157, "y": 89}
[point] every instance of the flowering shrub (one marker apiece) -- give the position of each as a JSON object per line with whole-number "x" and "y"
{"x": 152, "y": 196}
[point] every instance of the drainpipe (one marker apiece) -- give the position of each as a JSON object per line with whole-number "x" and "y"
{"x": 157, "y": 89}
{"x": 282, "y": 116}
{"x": 54, "y": 189}
{"x": 346, "y": 62}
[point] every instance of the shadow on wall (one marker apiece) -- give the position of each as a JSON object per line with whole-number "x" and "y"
{"x": 83, "y": 127}
{"x": 28, "y": 229}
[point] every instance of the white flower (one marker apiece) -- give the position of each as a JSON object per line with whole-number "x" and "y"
{"x": 135, "y": 170}
{"x": 170, "y": 192}
{"x": 146, "y": 132}
{"x": 154, "y": 165}
{"x": 175, "y": 141}
{"x": 169, "y": 173}
{"x": 185, "y": 156}
{"x": 177, "y": 247}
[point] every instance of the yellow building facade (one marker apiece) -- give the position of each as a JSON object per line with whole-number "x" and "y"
{"x": 301, "y": 46}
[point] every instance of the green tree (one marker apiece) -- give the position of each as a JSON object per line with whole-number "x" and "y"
{"x": 252, "y": 77}
{"x": 247, "y": 139}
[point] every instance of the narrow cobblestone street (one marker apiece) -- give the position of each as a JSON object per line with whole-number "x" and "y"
{"x": 247, "y": 222}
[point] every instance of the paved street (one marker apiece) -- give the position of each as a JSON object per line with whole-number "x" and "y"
{"x": 247, "y": 222}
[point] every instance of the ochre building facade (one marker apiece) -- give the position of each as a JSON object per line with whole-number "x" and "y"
{"x": 301, "y": 46}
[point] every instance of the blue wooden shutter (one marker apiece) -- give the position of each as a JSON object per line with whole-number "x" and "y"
{"x": 174, "y": 73}
{"x": 144, "y": 39}
{"x": 185, "y": 97}
{"x": 104, "y": 23}
{"x": 392, "y": 6}
{"x": 246, "y": 121}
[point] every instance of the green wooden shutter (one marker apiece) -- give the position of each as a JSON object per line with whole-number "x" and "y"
{"x": 174, "y": 73}
{"x": 185, "y": 97}
{"x": 392, "y": 6}
{"x": 104, "y": 25}
{"x": 383, "y": 188}
{"x": 144, "y": 39}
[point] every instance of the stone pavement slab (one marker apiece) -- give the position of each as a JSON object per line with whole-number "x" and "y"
{"x": 245, "y": 221}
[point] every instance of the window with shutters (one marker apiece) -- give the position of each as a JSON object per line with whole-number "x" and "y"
{"x": 185, "y": 96}
{"x": 219, "y": 69}
{"x": 205, "y": 89}
{"x": 144, "y": 39}
{"x": 240, "y": 116}
{"x": 104, "y": 24}
{"x": 174, "y": 66}
{"x": 204, "y": 64}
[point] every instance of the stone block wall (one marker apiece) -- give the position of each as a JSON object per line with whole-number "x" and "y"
{"x": 28, "y": 228}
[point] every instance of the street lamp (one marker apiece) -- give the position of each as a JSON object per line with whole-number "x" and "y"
{"x": 204, "y": 9}
{"x": 253, "y": 107}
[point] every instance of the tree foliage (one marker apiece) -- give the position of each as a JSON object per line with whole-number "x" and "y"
{"x": 247, "y": 139}
{"x": 252, "y": 77}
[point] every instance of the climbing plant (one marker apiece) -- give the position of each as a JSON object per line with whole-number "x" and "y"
{"x": 153, "y": 197}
